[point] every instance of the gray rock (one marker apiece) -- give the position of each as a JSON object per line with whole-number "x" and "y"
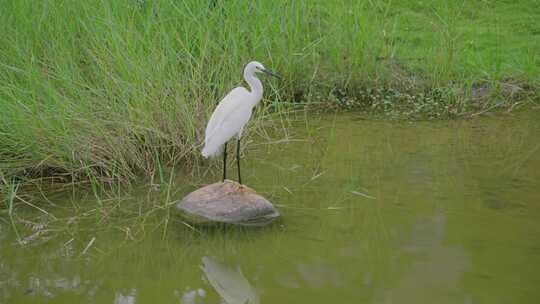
{"x": 227, "y": 202}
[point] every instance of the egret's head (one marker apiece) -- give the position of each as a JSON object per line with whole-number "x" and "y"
{"x": 257, "y": 67}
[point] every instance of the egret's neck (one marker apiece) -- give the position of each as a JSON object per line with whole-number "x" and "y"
{"x": 255, "y": 86}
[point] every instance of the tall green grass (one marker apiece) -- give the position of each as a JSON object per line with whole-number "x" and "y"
{"x": 109, "y": 89}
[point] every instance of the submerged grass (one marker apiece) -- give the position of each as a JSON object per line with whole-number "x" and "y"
{"x": 104, "y": 90}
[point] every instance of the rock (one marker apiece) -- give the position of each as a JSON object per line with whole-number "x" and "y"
{"x": 227, "y": 202}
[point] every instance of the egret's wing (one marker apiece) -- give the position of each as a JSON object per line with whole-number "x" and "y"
{"x": 231, "y": 114}
{"x": 226, "y": 106}
{"x": 225, "y": 130}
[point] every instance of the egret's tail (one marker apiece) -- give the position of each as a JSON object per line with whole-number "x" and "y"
{"x": 210, "y": 151}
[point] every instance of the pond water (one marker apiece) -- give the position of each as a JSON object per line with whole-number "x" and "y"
{"x": 373, "y": 212}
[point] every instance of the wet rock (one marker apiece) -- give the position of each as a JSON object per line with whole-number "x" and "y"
{"x": 227, "y": 202}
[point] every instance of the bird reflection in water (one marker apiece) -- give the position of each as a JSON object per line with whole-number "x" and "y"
{"x": 229, "y": 282}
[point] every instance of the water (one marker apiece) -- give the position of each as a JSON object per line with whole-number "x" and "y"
{"x": 374, "y": 212}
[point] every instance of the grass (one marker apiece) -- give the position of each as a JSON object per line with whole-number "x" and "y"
{"x": 110, "y": 90}
{"x": 11, "y": 193}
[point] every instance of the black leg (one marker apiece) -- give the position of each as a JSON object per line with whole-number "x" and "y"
{"x": 225, "y": 162}
{"x": 238, "y": 160}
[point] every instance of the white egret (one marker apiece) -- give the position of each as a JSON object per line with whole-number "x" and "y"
{"x": 231, "y": 115}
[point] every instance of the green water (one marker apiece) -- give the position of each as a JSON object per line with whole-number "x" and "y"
{"x": 373, "y": 212}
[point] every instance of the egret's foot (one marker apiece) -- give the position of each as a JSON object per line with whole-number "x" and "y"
{"x": 237, "y": 184}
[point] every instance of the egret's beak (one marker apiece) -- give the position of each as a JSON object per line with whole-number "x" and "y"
{"x": 268, "y": 72}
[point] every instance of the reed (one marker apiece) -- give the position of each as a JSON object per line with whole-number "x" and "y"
{"x": 109, "y": 90}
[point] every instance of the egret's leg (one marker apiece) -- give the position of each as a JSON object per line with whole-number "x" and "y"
{"x": 238, "y": 160}
{"x": 225, "y": 162}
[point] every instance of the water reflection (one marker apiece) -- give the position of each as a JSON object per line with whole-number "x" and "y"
{"x": 319, "y": 274}
{"x": 436, "y": 270}
{"x": 229, "y": 282}
{"x": 127, "y": 297}
{"x": 191, "y": 296}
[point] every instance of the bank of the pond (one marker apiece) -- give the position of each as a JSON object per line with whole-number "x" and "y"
{"x": 101, "y": 90}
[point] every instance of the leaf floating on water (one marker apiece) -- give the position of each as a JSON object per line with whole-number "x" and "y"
{"x": 363, "y": 194}
{"x": 337, "y": 208}
{"x": 89, "y": 245}
{"x": 317, "y": 176}
{"x": 287, "y": 189}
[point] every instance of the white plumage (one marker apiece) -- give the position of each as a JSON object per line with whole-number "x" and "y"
{"x": 228, "y": 120}
{"x": 233, "y": 111}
